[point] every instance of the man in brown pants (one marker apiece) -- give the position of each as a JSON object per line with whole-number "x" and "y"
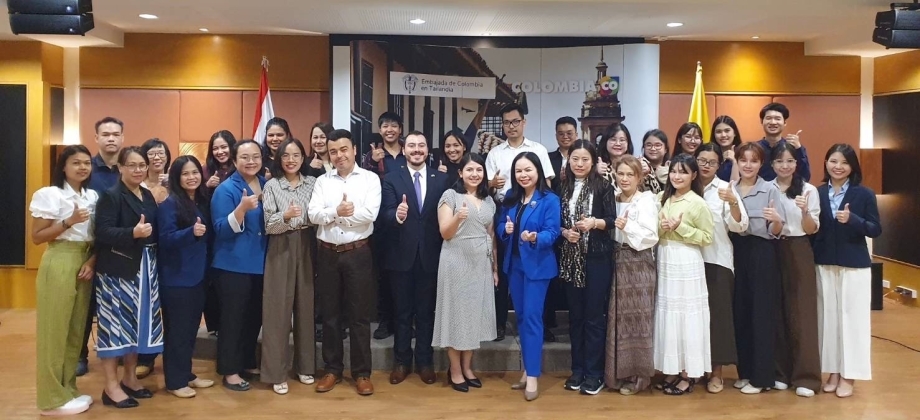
{"x": 344, "y": 205}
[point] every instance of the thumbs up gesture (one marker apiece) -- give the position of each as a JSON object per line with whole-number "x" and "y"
{"x": 292, "y": 211}
{"x": 770, "y": 213}
{"x": 664, "y": 223}
{"x": 801, "y": 201}
{"x": 249, "y": 202}
{"x": 498, "y": 181}
{"x": 142, "y": 229}
{"x": 843, "y": 216}
{"x": 585, "y": 224}
{"x": 620, "y": 222}
{"x": 602, "y": 167}
{"x": 675, "y": 221}
{"x": 464, "y": 211}
{"x": 377, "y": 152}
{"x": 442, "y": 167}
{"x": 402, "y": 210}
{"x": 199, "y": 229}
{"x": 345, "y": 208}
{"x": 213, "y": 181}
{"x": 316, "y": 163}
{"x": 509, "y": 225}
{"x": 78, "y": 216}
{"x": 793, "y": 139}
{"x": 726, "y": 194}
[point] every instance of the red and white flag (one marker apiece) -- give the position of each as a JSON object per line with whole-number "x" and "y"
{"x": 264, "y": 110}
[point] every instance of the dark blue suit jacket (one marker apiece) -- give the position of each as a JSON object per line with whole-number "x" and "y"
{"x": 845, "y": 244}
{"x": 182, "y": 257}
{"x": 542, "y": 215}
{"x": 419, "y": 235}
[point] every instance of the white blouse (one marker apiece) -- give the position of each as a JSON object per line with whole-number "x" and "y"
{"x": 53, "y": 203}
{"x": 720, "y": 251}
{"x": 641, "y": 230}
{"x": 793, "y": 226}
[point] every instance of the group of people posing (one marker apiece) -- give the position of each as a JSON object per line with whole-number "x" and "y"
{"x": 682, "y": 260}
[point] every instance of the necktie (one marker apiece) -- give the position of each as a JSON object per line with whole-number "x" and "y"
{"x": 418, "y": 190}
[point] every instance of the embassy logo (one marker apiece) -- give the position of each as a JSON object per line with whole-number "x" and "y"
{"x": 410, "y": 82}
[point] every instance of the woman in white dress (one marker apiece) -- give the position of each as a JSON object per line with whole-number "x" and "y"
{"x": 464, "y": 312}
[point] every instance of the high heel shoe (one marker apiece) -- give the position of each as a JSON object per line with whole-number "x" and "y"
{"x": 531, "y": 395}
{"x": 136, "y": 393}
{"x": 460, "y": 387}
{"x": 125, "y": 403}
{"x": 519, "y": 386}
{"x": 473, "y": 382}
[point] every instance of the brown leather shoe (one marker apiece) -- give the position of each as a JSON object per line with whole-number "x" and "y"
{"x": 364, "y": 385}
{"x": 327, "y": 382}
{"x": 428, "y": 375}
{"x": 399, "y": 374}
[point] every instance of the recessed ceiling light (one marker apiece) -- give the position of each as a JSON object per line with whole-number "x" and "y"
{"x": 417, "y": 21}
{"x": 487, "y": 34}
{"x": 755, "y": 37}
{"x": 203, "y": 29}
{"x": 147, "y": 16}
{"x": 675, "y": 25}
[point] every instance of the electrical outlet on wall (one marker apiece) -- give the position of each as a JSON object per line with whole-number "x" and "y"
{"x": 906, "y": 292}
{"x": 886, "y": 284}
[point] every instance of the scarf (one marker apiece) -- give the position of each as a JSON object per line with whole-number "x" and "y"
{"x": 572, "y": 259}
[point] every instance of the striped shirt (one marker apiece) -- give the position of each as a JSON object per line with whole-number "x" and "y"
{"x": 277, "y": 196}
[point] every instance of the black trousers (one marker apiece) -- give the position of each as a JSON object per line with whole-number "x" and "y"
{"x": 588, "y": 317}
{"x": 240, "y": 321}
{"x": 211, "y": 303}
{"x": 182, "y": 308}
{"x": 414, "y": 292}
{"x": 502, "y": 298}
{"x": 757, "y": 282}
{"x": 345, "y": 291}
{"x": 386, "y": 312}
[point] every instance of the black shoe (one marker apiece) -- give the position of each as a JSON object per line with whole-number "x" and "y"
{"x": 82, "y": 367}
{"x": 548, "y": 336}
{"x": 242, "y": 386}
{"x": 142, "y": 393}
{"x": 474, "y": 382}
{"x": 592, "y": 386}
{"x": 382, "y": 331}
{"x": 501, "y": 334}
{"x": 125, "y": 403}
{"x": 461, "y": 387}
{"x": 574, "y": 383}
{"x": 319, "y": 335}
{"x": 344, "y": 333}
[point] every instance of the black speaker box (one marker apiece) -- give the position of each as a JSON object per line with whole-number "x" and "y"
{"x": 50, "y": 7}
{"x": 896, "y": 38}
{"x": 898, "y": 19}
{"x": 51, "y": 24}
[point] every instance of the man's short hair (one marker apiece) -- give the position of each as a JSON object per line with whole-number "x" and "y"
{"x": 107, "y": 120}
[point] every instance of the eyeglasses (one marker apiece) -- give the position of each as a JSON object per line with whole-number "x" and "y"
{"x": 695, "y": 139}
{"x": 707, "y": 163}
{"x": 254, "y": 158}
{"x": 291, "y": 158}
{"x": 512, "y": 123}
{"x": 156, "y": 154}
{"x": 654, "y": 146}
{"x": 133, "y": 167}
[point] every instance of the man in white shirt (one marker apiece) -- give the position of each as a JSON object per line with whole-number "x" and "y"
{"x": 409, "y": 213}
{"x": 344, "y": 206}
{"x": 498, "y": 167}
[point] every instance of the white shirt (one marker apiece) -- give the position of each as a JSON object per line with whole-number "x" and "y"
{"x": 793, "y": 226}
{"x": 501, "y": 156}
{"x": 53, "y": 203}
{"x": 720, "y": 251}
{"x": 641, "y": 230}
{"x": 422, "y": 180}
{"x": 362, "y": 188}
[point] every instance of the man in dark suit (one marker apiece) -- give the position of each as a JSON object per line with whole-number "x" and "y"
{"x": 413, "y": 246}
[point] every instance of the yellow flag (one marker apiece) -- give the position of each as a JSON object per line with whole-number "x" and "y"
{"x": 698, "y": 112}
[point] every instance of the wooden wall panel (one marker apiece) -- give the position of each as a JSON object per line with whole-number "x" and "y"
{"x": 673, "y": 110}
{"x": 745, "y": 110}
{"x": 897, "y": 73}
{"x": 824, "y": 121}
{"x": 146, "y": 114}
{"x": 204, "y": 112}
{"x": 300, "y": 109}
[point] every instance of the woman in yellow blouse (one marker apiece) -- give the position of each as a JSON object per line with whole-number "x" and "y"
{"x": 682, "y": 314}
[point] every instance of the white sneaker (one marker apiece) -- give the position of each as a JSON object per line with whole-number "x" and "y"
{"x": 280, "y": 389}
{"x": 741, "y": 383}
{"x": 74, "y": 406}
{"x": 782, "y": 386}
{"x": 751, "y": 389}
{"x": 86, "y": 398}
{"x": 306, "y": 379}
{"x": 804, "y": 392}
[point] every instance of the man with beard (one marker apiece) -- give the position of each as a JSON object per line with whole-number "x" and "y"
{"x": 109, "y": 139}
{"x": 409, "y": 202}
{"x": 774, "y": 117}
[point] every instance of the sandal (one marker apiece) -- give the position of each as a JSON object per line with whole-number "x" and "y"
{"x": 665, "y": 383}
{"x": 713, "y": 387}
{"x": 672, "y": 388}
{"x": 280, "y": 389}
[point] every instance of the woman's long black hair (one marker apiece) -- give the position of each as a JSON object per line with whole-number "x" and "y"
{"x": 276, "y": 168}
{"x": 852, "y": 158}
{"x": 58, "y": 177}
{"x": 213, "y": 164}
{"x": 187, "y": 209}
{"x": 609, "y": 132}
{"x": 482, "y": 190}
{"x": 729, "y": 121}
{"x": 687, "y": 165}
{"x": 594, "y": 182}
{"x": 516, "y": 193}
{"x": 798, "y": 183}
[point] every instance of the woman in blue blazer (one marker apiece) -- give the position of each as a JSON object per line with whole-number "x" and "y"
{"x": 239, "y": 261}
{"x": 849, "y": 214}
{"x": 183, "y": 220}
{"x": 532, "y": 221}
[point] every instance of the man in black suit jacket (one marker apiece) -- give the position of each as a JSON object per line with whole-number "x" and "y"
{"x": 413, "y": 247}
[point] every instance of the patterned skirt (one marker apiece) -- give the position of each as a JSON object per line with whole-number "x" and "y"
{"x": 128, "y": 311}
{"x": 631, "y": 319}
